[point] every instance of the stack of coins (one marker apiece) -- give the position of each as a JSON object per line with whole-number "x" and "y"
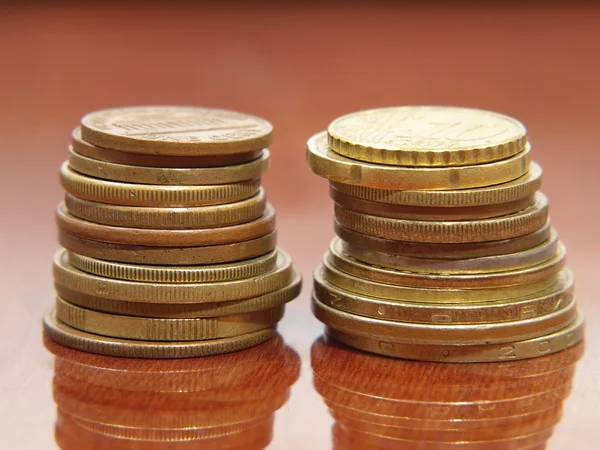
{"x": 445, "y": 250}
{"x": 169, "y": 242}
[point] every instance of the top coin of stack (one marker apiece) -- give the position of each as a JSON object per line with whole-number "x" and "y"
{"x": 445, "y": 250}
{"x": 170, "y": 244}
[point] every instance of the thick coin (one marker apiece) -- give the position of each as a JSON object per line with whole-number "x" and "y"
{"x": 528, "y": 274}
{"x": 427, "y": 136}
{"x": 162, "y": 255}
{"x": 168, "y": 218}
{"x": 67, "y": 276}
{"x": 485, "y": 264}
{"x": 154, "y": 329}
{"x": 530, "y": 348}
{"x": 520, "y": 308}
{"x": 131, "y": 194}
{"x": 359, "y": 244}
{"x": 435, "y": 295}
{"x": 128, "y": 348}
{"x": 176, "y": 130}
{"x": 248, "y": 231}
{"x": 522, "y": 187}
{"x": 453, "y": 232}
{"x": 164, "y": 175}
{"x": 453, "y": 334}
{"x": 139, "y": 159}
{"x": 328, "y": 164}
{"x": 428, "y": 213}
{"x": 189, "y": 310}
{"x": 175, "y": 274}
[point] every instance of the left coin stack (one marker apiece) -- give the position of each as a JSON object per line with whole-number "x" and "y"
{"x": 169, "y": 242}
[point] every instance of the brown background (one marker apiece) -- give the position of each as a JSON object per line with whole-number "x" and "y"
{"x": 299, "y": 66}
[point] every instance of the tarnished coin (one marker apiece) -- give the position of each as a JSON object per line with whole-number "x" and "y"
{"x": 176, "y": 130}
{"x": 530, "y": 348}
{"x": 155, "y": 329}
{"x": 129, "y": 348}
{"x": 328, "y": 164}
{"x": 427, "y": 136}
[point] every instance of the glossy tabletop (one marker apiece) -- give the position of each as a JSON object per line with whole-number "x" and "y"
{"x": 299, "y": 66}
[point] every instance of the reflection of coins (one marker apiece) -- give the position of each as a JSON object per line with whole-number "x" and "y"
{"x": 169, "y": 176}
{"x": 154, "y": 329}
{"x": 189, "y": 310}
{"x": 175, "y": 274}
{"x": 530, "y": 348}
{"x": 80, "y": 340}
{"x": 73, "y": 279}
{"x": 176, "y": 130}
{"x": 141, "y": 254}
{"x": 131, "y": 194}
{"x": 328, "y": 164}
{"x": 427, "y": 136}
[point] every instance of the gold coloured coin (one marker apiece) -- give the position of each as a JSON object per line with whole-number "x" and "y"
{"x": 154, "y": 329}
{"x": 139, "y": 159}
{"x": 131, "y": 194}
{"x": 453, "y": 334}
{"x": 524, "y": 186}
{"x": 524, "y": 349}
{"x": 67, "y": 276}
{"x": 176, "y": 130}
{"x": 520, "y": 308}
{"x": 189, "y": 310}
{"x": 359, "y": 244}
{"x": 129, "y": 348}
{"x": 529, "y": 274}
{"x": 170, "y": 176}
{"x": 434, "y": 295}
{"x": 168, "y": 218}
{"x": 453, "y": 232}
{"x": 428, "y": 213}
{"x": 248, "y": 231}
{"x": 175, "y": 274}
{"x": 177, "y": 256}
{"x": 328, "y": 164}
{"x": 427, "y": 136}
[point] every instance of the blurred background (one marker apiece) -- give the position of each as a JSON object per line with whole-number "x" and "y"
{"x": 299, "y": 65}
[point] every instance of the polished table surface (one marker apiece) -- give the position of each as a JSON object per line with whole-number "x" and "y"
{"x": 299, "y": 66}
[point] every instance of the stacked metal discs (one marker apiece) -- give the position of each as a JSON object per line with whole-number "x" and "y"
{"x": 445, "y": 250}
{"x": 169, "y": 242}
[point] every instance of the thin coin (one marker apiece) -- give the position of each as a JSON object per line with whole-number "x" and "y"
{"x": 138, "y": 159}
{"x": 360, "y": 243}
{"x": 190, "y": 310}
{"x": 436, "y": 295}
{"x": 131, "y": 194}
{"x": 175, "y": 274}
{"x": 529, "y": 274}
{"x": 169, "y": 176}
{"x": 162, "y": 255}
{"x": 176, "y": 130}
{"x": 67, "y": 276}
{"x": 168, "y": 218}
{"x": 91, "y": 343}
{"x": 427, "y": 136}
{"x": 154, "y": 329}
{"x": 328, "y": 164}
{"x": 453, "y": 232}
{"x": 529, "y": 348}
{"x": 428, "y": 213}
{"x": 484, "y": 265}
{"x": 520, "y": 308}
{"x": 453, "y": 334}
{"x": 522, "y": 187}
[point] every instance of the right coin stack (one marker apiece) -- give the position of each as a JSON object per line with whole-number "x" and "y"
{"x": 444, "y": 248}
